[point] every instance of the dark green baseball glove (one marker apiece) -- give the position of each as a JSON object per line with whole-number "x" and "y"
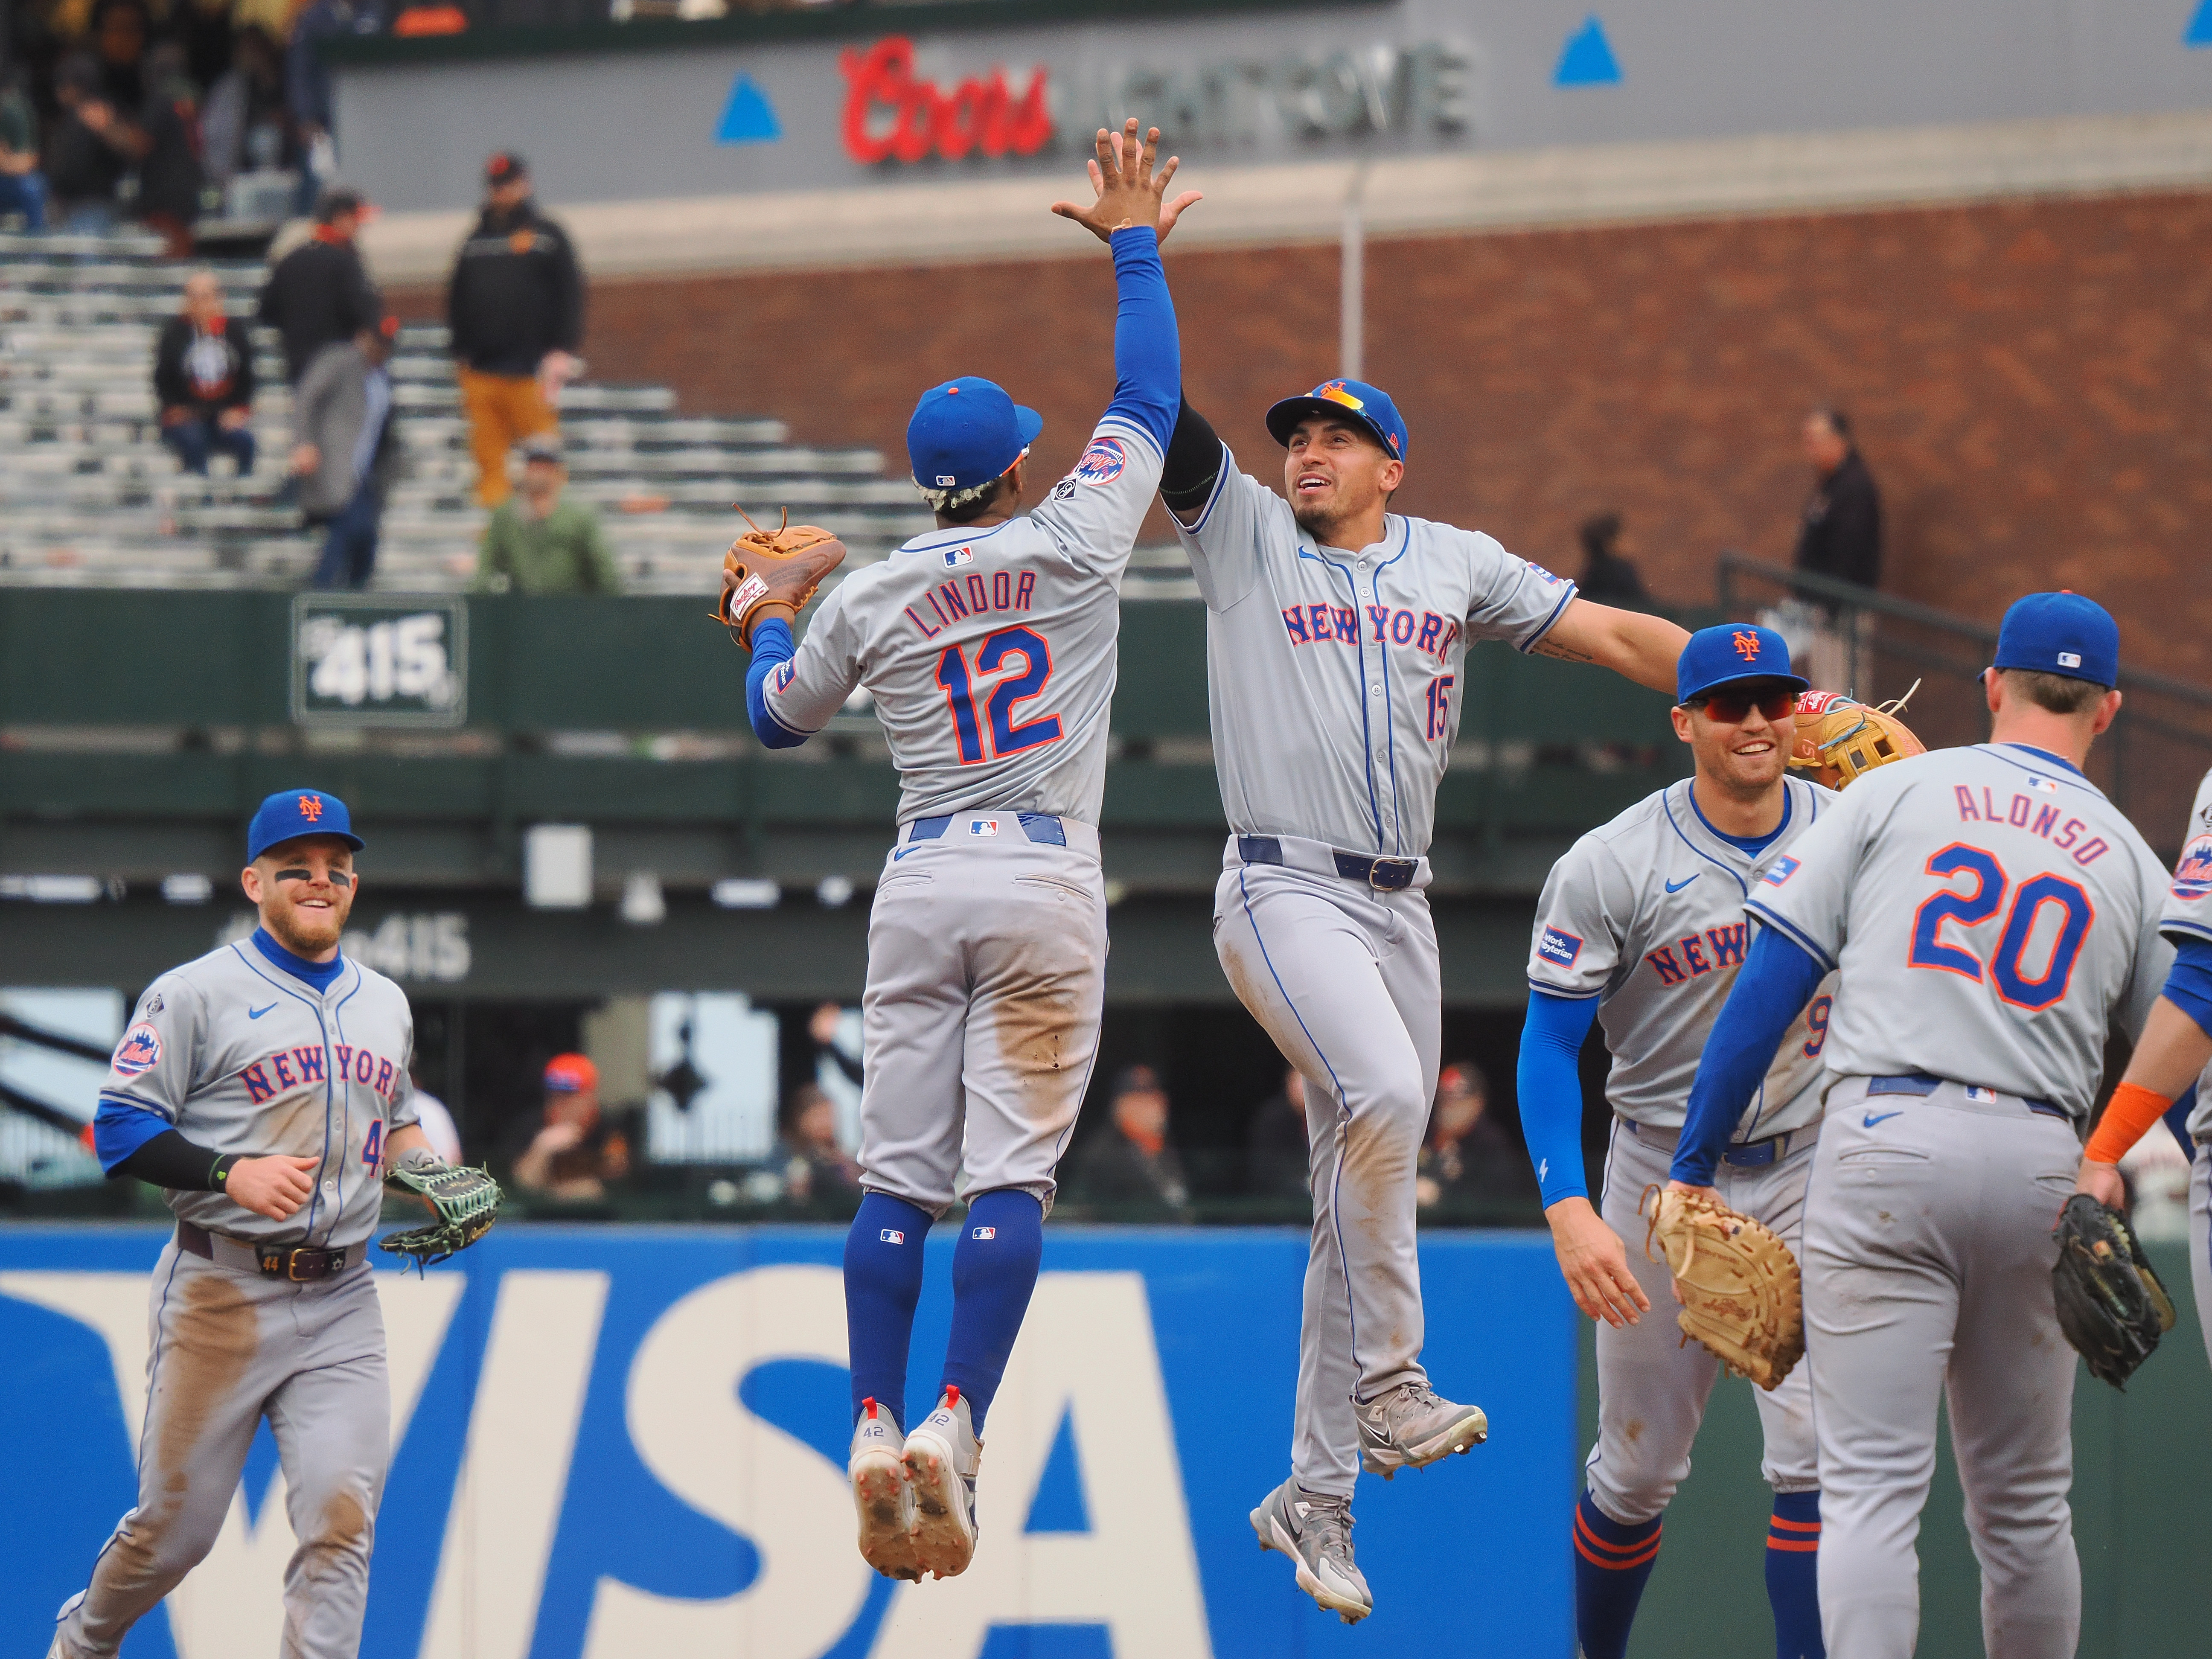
{"x": 465, "y": 1202}
{"x": 2111, "y": 1305}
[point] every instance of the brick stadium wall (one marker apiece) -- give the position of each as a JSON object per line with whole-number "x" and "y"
{"x": 2032, "y": 381}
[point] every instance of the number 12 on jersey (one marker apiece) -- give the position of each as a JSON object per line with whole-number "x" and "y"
{"x": 1025, "y": 658}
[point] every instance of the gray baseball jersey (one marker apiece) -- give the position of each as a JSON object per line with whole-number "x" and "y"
{"x": 1334, "y": 677}
{"x": 1992, "y": 914}
{"x": 990, "y": 653}
{"x": 1646, "y": 913}
{"x": 241, "y": 1056}
{"x": 2188, "y": 915}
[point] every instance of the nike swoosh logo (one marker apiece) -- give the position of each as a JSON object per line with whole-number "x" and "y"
{"x": 1677, "y": 886}
{"x": 256, "y": 1013}
{"x": 901, "y": 853}
{"x": 1870, "y": 1119}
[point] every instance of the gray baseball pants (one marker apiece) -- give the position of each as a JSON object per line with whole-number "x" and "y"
{"x": 1926, "y": 1260}
{"x": 2200, "y": 1240}
{"x": 228, "y": 1348}
{"x": 1652, "y": 1386}
{"x": 1345, "y": 979}
{"x": 987, "y": 975}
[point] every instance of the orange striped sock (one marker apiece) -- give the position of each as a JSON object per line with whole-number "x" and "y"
{"x": 1613, "y": 1562}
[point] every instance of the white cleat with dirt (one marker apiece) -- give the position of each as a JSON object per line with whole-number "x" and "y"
{"x": 1410, "y": 1427}
{"x": 876, "y": 1468}
{"x": 942, "y": 1457}
{"x": 1316, "y": 1533}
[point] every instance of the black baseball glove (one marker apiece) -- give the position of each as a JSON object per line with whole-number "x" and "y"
{"x": 2111, "y": 1305}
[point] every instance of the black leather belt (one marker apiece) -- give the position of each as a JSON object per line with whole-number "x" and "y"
{"x": 1920, "y": 1083}
{"x": 299, "y": 1263}
{"x": 1385, "y": 875}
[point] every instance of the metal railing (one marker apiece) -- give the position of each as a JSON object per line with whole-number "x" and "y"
{"x": 2148, "y": 764}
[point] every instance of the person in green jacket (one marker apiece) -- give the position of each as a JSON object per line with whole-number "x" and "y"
{"x": 536, "y": 542}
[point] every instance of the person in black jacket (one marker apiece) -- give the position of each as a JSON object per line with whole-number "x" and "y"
{"x": 92, "y": 148}
{"x": 515, "y": 307}
{"x": 320, "y": 294}
{"x": 204, "y": 379}
{"x": 1129, "y": 1167}
{"x": 1609, "y": 575}
{"x": 1840, "y": 536}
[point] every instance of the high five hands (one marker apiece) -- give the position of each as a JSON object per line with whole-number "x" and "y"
{"x": 1129, "y": 192}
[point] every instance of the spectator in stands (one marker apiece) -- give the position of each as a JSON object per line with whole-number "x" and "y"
{"x": 120, "y": 29}
{"x": 822, "y": 1030}
{"x": 203, "y": 28}
{"x": 204, "y": 379}
{"x": 1278, "y": 1162}
{"x": 538, "y": 543}
{"x": 345, "y": 452}
{"x": 320, "y": 294}
{"x": 1128, "y": 1166}
{"x": 574, "y": 1157}
{"x": 816, "y": 1171}
{"x": 1467, "y": 1158}
{"x": 515, "y": 306}
{"x": 92, "y": 148}
{"x": 169, "y": 177}
{"x": 307, "y": 78}
{"x": 22, "y": 186}
{"x": 1609, "y": 576}
{"x": 1840, "y": 536}
{"x": 244, "y": 124}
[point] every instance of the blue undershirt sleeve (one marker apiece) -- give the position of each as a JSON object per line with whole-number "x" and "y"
{"x": 2189, "y": 981}
{"x": 2178, "y": 1116}
{"x": 1147, "y": 352}
{"x": 1775, "y": 982}
{"x": 1549, "y": 1082}
{"x": 772, "y": 648}
{"x": 119, "y": 1130}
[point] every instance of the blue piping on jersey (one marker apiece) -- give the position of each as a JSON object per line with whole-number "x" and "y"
{"x": 1751, "y": 846}
{"x": 1675, "y": 824}
{"x": 2172, "y": 931}
{"x": 2056, "y": 759}
{"x": 1343, "y": 1121}
{"x": 345, "y": 1113}
{"x": 1359, "y": 687}
{"x": 927, "y": 542}
{"x": 1397, "y": 812}
{"x": 1537, "y": 638}
{"x": 321, "y": 975}
{"x": 1796, "y": 935}
{"x": 124, "y": 1097}
{"x": 1567, "y": 996}
{"x": 315, "y": 1198}
{"x": 2074, "y": 773}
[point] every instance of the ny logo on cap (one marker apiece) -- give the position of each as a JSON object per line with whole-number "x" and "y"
{"x": 311, "y": 808}
{"x": 1746, "y": 645}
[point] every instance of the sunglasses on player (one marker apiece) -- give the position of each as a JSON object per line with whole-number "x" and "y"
{"x": 1733, "y": 706}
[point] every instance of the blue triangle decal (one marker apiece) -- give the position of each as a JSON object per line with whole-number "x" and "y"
{"x": 261, "y": 1465}
{"x": 1058, "y": 1506}
{"x": 1587, "y": 59}
{"x": 748, "y": 118}
{"x": 2200, "y": 26}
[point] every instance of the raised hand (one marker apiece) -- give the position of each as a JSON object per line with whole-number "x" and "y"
{"x": 1129, "y": 192}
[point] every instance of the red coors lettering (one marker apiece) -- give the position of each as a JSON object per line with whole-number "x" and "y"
{"x": 891, "y": 116}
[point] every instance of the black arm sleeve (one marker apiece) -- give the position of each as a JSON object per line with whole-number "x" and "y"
{"x": 170, "y": 1160}
{"x": 1194, "y": 461}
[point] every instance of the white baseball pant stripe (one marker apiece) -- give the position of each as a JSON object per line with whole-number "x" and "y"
{"x": 2200, "y": 1240}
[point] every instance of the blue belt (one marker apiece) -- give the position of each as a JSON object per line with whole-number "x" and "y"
{"x": 1385, "y": 875}
{"x": 1919, "y": 1083}
{"x": 1739, "y": 1154}
{"x": 1043, "y": 828}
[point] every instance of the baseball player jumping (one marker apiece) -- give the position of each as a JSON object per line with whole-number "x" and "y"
{"x": 263, "y": 1086}
{"x": 1988, "y": 914}
{"x": 1641, "y": 925}
{"x": 988, "y": 645}
{"x": 1335, "y": 631}
{"x": 2170, "y": 1073}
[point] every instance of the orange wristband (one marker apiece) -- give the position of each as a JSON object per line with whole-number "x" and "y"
{"x": 2133, "y": 1110}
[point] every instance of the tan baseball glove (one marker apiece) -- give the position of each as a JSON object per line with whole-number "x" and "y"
{"x": 774, "y": 572}
{"x": 1739, "y": 1285}
{"x": 1839, "y": 741}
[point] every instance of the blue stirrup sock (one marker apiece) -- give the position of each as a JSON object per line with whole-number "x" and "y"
{"x": 883, "y": 1283}
{"x": 1793, "y": 1575}
{"x": 1613, "y": 1563}
{"x": 994, "y": 1268}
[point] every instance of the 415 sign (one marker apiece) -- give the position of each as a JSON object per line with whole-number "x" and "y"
{"x": 360, "y": 659}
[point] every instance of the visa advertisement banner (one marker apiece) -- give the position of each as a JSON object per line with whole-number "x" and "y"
{"x": 616, "y": 1441}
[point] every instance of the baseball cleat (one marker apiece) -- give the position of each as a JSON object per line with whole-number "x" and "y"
{"x": 1409, "y": 1427}
{"x": 942, "y": 1456}
{"x": 876, "y": 1468}
{"x": 1316, "y": 1533}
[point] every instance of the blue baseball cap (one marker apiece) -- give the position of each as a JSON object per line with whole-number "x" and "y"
{"x": 1733, "y": 651}
{"x": 967, "y": 431}
{"x": 2061, "y": 632}
{"x": 1356, "y": 401}
{"x": 291, "y": 813}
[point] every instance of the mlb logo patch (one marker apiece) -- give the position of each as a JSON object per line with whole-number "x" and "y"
{"x": 2044, "y": 784}
{"x": 984, "y": 1232}
{"x": 2070, "y": 660}
{"x": 956, "y": 557}
{"x": 1558, "y": 948}
{"x": 891, "y": 1235}
{"x": 984, "y": 826}
{"x": 1103, "y": 462}
{"x": 1981, "y": 1097}
{"x": 139, "y": 1051}
{"x": 1784, "y": 869}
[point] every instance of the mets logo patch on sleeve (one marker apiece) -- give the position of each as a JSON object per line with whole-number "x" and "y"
{"x": 139, "y": 1051}
{"x": 2193, "y": 875}
{"x": 1558, "y": 948}
{"x": 1103, "y": 462}
{"x": 1784, "y": 869}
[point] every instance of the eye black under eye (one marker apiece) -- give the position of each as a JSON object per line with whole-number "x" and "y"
{"x": 337, "y": 878}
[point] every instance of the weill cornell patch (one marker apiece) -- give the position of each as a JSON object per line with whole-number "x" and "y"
{"x": 1103, "y": 462}
{"x": 1558, "y": 948}
{"x": 139, "y": 1051}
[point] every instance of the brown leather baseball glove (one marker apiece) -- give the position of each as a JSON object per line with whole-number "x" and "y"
{"x": 1739, "y": 1285}
{"x": 1839, "y": 741}
{"x": 773, "y": 572}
